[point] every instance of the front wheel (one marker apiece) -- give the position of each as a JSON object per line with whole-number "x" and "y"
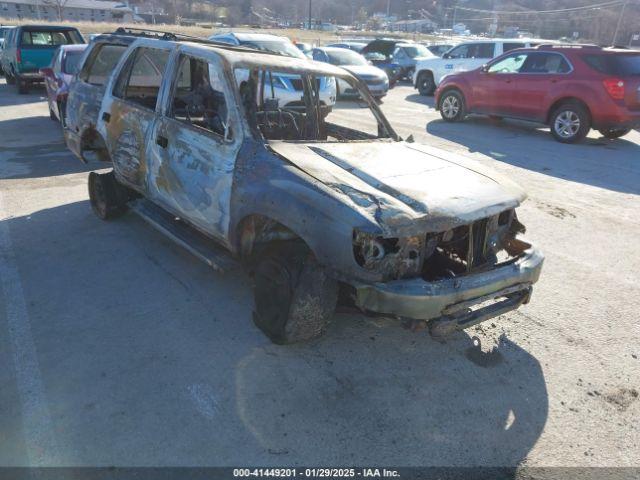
{"x": 294, "y": 298}
{"x": 452, "y": 107}
{"x": 426, "y": 84}
{"x": 570, "y": 123}
{"x": 612, "y": 133}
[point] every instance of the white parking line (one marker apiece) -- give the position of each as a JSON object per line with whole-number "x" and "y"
{"x": 36, "y": 419}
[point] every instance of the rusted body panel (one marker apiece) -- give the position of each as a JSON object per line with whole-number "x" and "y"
{"x": 381, "y": 215}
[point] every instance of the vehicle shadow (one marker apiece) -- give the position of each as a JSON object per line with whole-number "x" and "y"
{"x": 33, "y": 147}
{"x": 9, "y": 95}
{"x": 429, "y": 101}
{"x": 610, "y": 164}
{"x": 173, "y": 372}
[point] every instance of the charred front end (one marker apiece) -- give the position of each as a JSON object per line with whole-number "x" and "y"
{"x": 455, "y": 278}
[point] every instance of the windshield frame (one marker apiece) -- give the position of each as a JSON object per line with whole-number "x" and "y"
{"x": 311, "y": 103}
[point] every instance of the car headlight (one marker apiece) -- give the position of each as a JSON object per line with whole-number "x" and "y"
{"x": 392, "y": 257}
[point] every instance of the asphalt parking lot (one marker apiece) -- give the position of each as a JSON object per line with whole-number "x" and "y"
{"x": 120, "y": 348}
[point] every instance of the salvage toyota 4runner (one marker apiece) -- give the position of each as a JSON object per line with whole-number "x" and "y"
{"x": 321, "y": 203}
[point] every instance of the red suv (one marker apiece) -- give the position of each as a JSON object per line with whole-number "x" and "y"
{"x": 570, "y": 88}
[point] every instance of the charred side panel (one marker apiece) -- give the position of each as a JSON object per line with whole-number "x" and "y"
{"x": 268, "y": 186}
{"x": 128, "y": 132}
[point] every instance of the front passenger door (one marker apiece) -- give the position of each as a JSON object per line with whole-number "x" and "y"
{"x": 495, "y": 88}
{"x": 194, "y": 145}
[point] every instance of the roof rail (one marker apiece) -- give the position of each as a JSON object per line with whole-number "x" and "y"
{"x": 176, "y": 37}
{"x": 568, "y": 45}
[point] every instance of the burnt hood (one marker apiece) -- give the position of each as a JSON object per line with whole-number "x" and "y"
{"x": 406, "y": 188}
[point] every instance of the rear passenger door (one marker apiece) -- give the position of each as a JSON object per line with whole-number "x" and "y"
{"x": 130, "y": 111}
{"x": 194, "y": 144}
{"x": 86, "y": 92}
{"x": 539, "y": 82}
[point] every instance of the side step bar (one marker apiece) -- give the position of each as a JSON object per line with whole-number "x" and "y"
{"x": 187, "y": 237}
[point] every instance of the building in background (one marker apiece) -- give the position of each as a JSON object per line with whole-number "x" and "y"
{"x": 421, "y": 25}
{"x": 72, "y": 10}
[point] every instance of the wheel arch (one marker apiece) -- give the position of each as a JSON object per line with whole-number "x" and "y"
{"x": 423, "y": 71}
{"x": 92, "y": 141}
{"x": 563, "y": 100}
{"x": 255, "y": 229}
{"x": 446, "y": 90}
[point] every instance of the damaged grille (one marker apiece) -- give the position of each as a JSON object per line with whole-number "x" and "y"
{"x": 475, "y": 247}
{"x": 467, "y": 248}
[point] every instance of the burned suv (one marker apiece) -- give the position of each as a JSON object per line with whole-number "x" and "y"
{"x": 318, "y": 203}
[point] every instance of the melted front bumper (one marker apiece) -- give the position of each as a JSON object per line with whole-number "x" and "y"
{"x": 465, "y": 300}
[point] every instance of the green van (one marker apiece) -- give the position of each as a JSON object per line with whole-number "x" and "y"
{"x": 28, "y": 48}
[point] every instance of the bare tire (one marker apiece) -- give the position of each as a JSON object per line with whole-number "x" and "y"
{"x": 570, "y": 122}
{"x": 452, "y": 108}
{"x": 612, "y": 133}
{"x": 108, "y": 198}
{"x": 294, "y": 298}
{"x": 425, "y": 83}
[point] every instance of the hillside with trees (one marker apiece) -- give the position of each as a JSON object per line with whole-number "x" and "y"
{"x": 594, "y": 24}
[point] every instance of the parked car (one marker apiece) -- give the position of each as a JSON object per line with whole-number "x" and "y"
{"x": 289, "y": 90}
{"x": 28, "y": 48}
{"x": 398, "y": 53}
{"x": 58, "y": 75}
{"x": 439, "y": 49}
{"x": 570, "y": 88}
{"x": 4, "y": 31}
{"x": 86, "y": 91}
{"x": 305, "y": 48}
{"x": 461, "y": 58}
{"x": 308, "y": 203}
{"x": 355, "y": 46}
{"x": 375, "y": 78}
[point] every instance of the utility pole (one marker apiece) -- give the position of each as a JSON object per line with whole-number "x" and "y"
{"x": 310, "y": 14}
{"x": 615, "y": 34}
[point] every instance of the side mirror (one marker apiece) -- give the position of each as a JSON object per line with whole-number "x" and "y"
{"x": 46, "y": 72}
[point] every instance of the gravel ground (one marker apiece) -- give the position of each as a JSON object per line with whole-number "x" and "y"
{"x": 122, "y": 349}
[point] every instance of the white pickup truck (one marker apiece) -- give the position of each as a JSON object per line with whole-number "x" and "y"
{"x": 461, "y": 58}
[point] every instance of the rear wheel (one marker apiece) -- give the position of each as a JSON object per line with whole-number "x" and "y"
{"x": 426, "y": 84}
{"x": 294, "y": 298}
{"x": 452, "y": 107}
{"x": 108, "y": 198}
{"x": 614, "y": 132}
{"x": 570, "y": 122}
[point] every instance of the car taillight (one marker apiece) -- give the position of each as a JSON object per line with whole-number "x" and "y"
{"x": 614, "y": 87}
{"x": 18, "y": 55}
